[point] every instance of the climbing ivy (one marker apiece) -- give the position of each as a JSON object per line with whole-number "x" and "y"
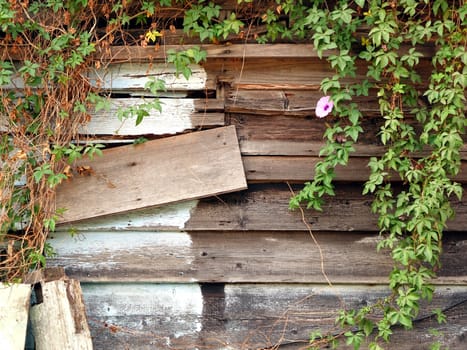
{"x": 48, "y": 47}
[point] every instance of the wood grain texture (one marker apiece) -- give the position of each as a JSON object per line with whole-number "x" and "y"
{"x": 139, "y": 53}
{"x": 234, "y": 257}
{"x": 157, "y": 172}
{"x": 283, "y": 135}
{"x": 301, "y": 169}
{"x": 59, "y": 321}
{"x": 291, "y": 103}
{"x": 263, "y": 207}
{"x": 132, "y": 77}
{"x": 247, "y": 316}
{"x": 14, "y": 309}
{"x": 177, "y": 115}
{"x": 270, "y": 73}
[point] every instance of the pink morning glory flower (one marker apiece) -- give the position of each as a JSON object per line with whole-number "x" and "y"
{"x": 324, "y": 106}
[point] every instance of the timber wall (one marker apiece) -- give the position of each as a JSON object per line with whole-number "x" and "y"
{"x": 239, "y": 270}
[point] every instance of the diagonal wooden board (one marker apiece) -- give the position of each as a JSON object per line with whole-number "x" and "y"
{"x": 189, "y": 166}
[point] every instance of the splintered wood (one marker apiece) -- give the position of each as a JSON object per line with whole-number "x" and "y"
{"x": 59, "y": 320}
{"x": 172, "y": 169}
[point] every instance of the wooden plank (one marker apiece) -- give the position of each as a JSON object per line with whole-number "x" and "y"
{"x": 139, "y": 53}
{"x": 281, "y": 135}
{"x": 228, "y": 50}
{"x": 290, "y": 103}
{"x": 312, "y": 148}
{"x": 286, "y": 73}
{"x": 223, "y": 50}
{"x": 132, "y": 77}
{"x": 300, "y": 169}
{"x": 157, "y": 172}
{"x": 264, "y": 207}
{"x": 177, "y": 115}
{"x": 59, "y": 320}
{"x": 247, "y": 316}
{"x": 298, "y": 130}
{"x": 237, "y": 257}
{"x": 14, "y": 308}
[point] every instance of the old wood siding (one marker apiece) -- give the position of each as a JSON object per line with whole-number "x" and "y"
{"x": 239, "y": 270}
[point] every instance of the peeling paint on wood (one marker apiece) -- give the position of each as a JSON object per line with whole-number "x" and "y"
{"x": 147, "y": 310}
{"x": 132, "y": 77}
{"x": 263, "y": 207}
{"x": 235, "y": 257}
{"x": 245, "y": 316}
{"x": 168, "y": 217}
{"x": 177, "y": 115}
{"x": 59, "y": 320}
{"x": 14, "y": 308}
{"x": 113, "y": 254}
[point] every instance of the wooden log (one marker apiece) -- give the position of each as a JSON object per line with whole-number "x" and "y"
{"x": 238, "y": 257}
{"x": 263, "y": 207}
{"x": 247, "y": 316}
{"x": 14, "y": 309}
{"x": 59, "y": 320}
{"x": 177, "y": 115}
{"x": 157, "y": 172}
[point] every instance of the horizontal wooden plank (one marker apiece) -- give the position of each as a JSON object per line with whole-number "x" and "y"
{"x": 286, "y": 257}
{"x": 157, "y": 172}
{"x": 139, "y": 53}
{"x": 291, "y": 103}
{"x": 312, "y": 148}
{"x": 300, "y": 169}
{"x": 176, "y": 116}
{"x": 286, "y": 73}
{"x": 228, "y": 50}
{"x": 248, "y": 316}
{"x": 133, "y": 77}
{"x": 261, "y": 207}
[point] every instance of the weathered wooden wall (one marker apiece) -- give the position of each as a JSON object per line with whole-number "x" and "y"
{"x": 239, "y": 270}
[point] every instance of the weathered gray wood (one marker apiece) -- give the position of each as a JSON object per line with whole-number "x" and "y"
{"x": 290, "y": 103}
{"x": 263, "y": 257}
{"x": 271, "y": 73}
{"x": 251, "y": 316}
{"x": 261, "y": 207}
{"x": 279, "y": 50}
{"x": 59, "y": 321}
{"x": 132, "y": 77}
{"x": 157, "y": 172}
{"x": 288, "y": 136}
{"x": 14, "y": 308}
{"x": 177, "y": 115}
{"x": 138, "y": 53}
{"x": 300, "y": 169}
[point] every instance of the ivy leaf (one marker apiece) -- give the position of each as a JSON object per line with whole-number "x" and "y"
{"x": 360, "y": 3}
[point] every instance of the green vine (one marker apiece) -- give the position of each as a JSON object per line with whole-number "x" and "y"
{"x": 412, "y": 217}
{"x": 47, "y": 97}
